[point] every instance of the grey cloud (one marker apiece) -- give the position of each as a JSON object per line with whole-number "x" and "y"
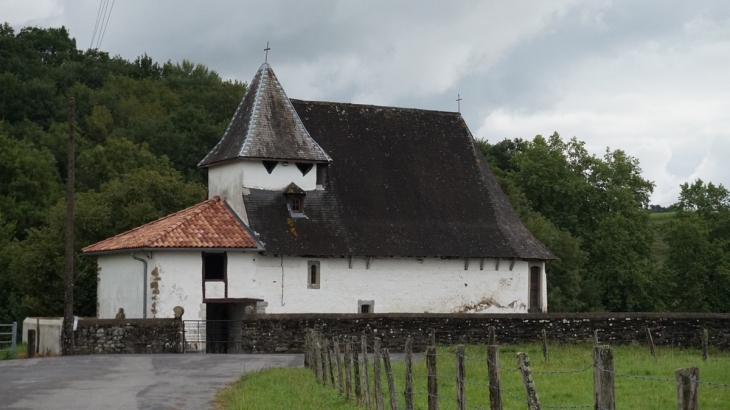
{"x": 643, "y": 76}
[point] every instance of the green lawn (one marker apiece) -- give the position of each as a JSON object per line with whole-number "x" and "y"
{"x": 297, "y": 388}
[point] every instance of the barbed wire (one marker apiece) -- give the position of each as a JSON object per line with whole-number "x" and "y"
{"x": 514, "y": 396}
{"x": 452, "y": 353}
{"x": 710, "y": 383}
{"x": 634, "y": 376}
{"x": 590, "y": 366}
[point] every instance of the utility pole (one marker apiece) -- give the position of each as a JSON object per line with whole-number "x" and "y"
{"x": 68, "y": 310}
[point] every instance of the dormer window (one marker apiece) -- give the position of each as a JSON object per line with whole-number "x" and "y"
{"x": 296, "y": 205}
{"x": 295, "y": 200}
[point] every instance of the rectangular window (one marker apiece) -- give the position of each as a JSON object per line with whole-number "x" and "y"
{"x": 366, "y": 306}
{"x": 214, "y": 266}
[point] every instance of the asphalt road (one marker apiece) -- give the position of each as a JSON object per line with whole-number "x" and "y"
{"x": 151, "y": 382}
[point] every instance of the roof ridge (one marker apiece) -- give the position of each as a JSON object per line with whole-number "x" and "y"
{"x": 389, "y": 107}
{"x": 256, "y": 98}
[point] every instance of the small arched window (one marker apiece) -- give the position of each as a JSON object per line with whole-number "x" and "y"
{"x": 313, "y": 275}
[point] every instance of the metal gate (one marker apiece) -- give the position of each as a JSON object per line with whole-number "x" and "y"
{"x": 212, "y": 336}
{"x": 8, "y": 338}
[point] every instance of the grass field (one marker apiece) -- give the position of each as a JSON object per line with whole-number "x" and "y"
{"x": 8, "y": 355}
{"x": 297, "y": 388}
{"x": 659, "y": 248}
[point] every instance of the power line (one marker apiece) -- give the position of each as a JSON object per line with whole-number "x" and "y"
{"x": 96, "y": 25}
{"x": 101, "y": 22}
{"x": 106, "y": 24}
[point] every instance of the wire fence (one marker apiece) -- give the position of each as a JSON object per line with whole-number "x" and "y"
{"x": 8, "y": 338}
{"x": 362, "y": 371}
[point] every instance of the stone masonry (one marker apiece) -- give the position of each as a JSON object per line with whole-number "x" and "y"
{"x": 108, "y": 336}
{"x": 285, "y": 333}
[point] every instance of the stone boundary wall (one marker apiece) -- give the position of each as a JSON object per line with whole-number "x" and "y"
{"x": 109, "y": 336}
{"x": 284, "y": 333}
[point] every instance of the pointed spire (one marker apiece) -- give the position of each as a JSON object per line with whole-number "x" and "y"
{"x": 265, "y": 126}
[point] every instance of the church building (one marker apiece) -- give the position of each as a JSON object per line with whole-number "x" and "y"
{"x": 322, "y": 207}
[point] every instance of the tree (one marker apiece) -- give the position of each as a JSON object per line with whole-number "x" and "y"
{"x": 29, "y": 184}
{"x": 698, "y": 265}
{"x": 705, "y": 199}
{"x": 582, "y": 207}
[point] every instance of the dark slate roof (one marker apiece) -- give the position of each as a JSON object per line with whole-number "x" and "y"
{"x": 265, "y": 125}
{"x": 403, "y": 182}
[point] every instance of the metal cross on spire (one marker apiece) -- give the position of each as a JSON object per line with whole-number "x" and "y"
{"x": 458, "y": 102}
{"x": 266, "y": 60}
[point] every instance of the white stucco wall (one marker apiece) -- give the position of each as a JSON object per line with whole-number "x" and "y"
{"x": 179, "y": 283}
{"x": 173, "y": 279}
{"x": 394, "y": 284}
{"x": 256, "y": 176}
{"x": 230, "y": 180}
{"x": 226, "y": 181}
{"x": 120, "y": 285}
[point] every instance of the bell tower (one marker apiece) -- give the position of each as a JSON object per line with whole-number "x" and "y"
{"x": 264, "y": 147}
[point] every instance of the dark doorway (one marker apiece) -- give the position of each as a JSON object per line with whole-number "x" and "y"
{"x": 535, "y": 275}
{"x": 216, "y": 328}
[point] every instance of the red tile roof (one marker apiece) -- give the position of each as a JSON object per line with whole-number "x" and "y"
{"x": 209, "y": 224}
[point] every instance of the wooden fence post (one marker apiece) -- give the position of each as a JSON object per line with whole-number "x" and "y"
{"x": 378, "y": 379}
{"x": 687, "y": 388}
{"x": 495, "y": 394}
{"x": 604, "y": 394}
{"x": 329, "y": 364}
{"x": 365, "y": 364}
{"x": 409, "y": 374}
{"x": 433, "y": 388}
{"x": 348, "y": 372}
{"x": 317, "y": 358}
{"x": 433, "y": 337}
{"x": 30, "y": 351}
{"x": 545, "y": 352}
{"x": 492, "y": 336}
{"x": 705, "y": 344}
{"x": 391, "y": 381}
{"x": 323, "y": 352}
{"x": 523, "y": 362}
{"x": 306, "y": 349}
{"x": 460, "y": 375}
{"x": 650, "y": 340}
{"x": 595, "y": 337}
{"x": 312, "y": 348}
{"x": 356, "y": 370}
{"x": 339, "y": 365}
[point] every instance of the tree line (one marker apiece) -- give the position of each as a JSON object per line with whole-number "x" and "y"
{"x": 593, "y": 212}
{"x": 142, "y": 127}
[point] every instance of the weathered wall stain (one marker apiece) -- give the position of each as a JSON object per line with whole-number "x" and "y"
{"x": 155, "y": 286}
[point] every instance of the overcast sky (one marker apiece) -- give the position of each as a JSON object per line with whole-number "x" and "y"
{"x": 647, "y": 77}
